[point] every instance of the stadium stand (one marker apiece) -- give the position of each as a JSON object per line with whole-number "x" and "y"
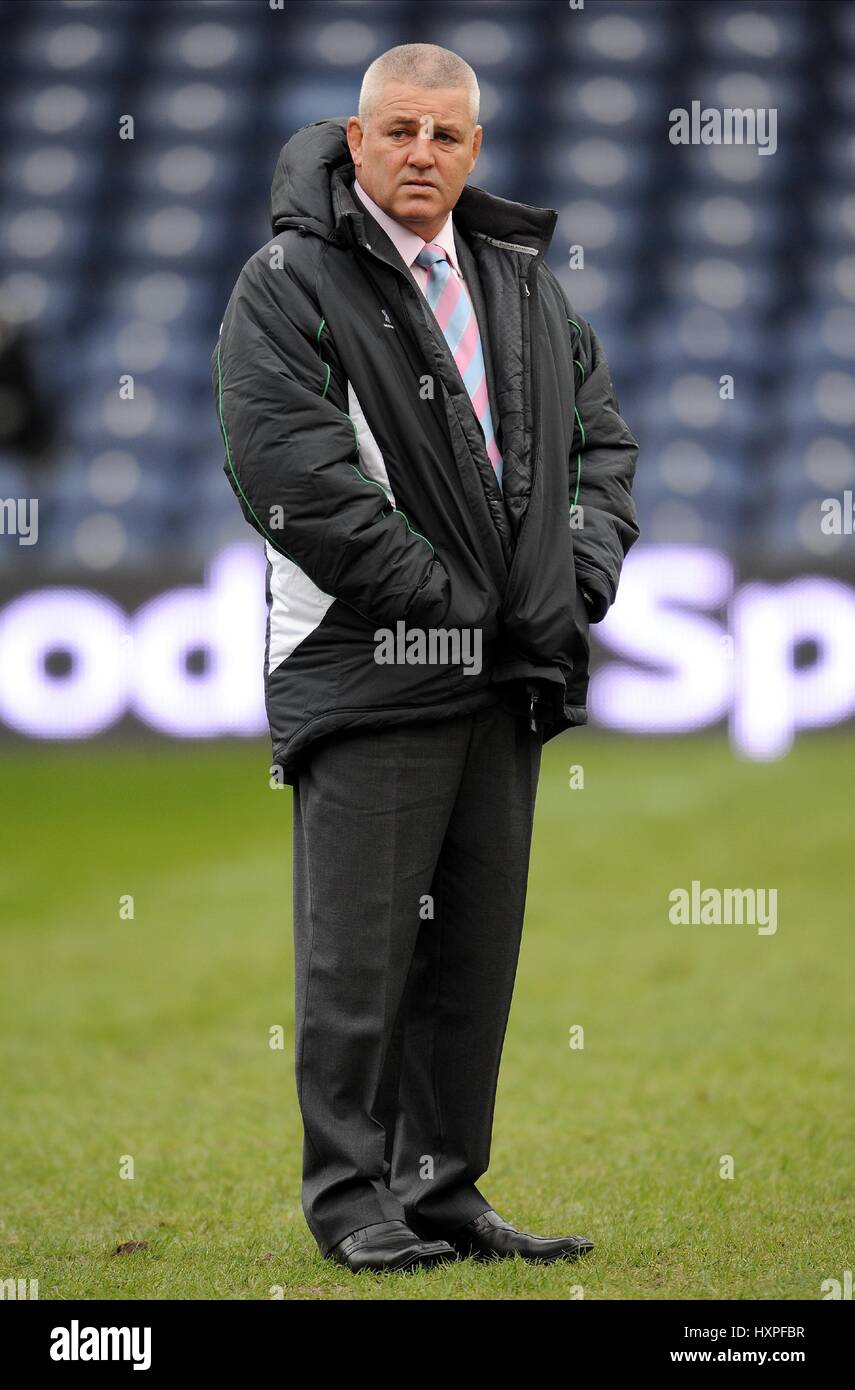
{"x": 700, "y": 262}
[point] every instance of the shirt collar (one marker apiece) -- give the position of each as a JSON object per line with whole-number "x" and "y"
{"x": 408, "y": 244}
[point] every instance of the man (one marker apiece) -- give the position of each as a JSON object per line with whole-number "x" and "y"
{"x": 426, "y": 436}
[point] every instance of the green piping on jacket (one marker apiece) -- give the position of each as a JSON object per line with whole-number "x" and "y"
{"x": 262, "y": 528}
{"x": 249, "y": 506}
{"x": 321, "y": 326}
{"x": 373, "y": 481}
{"x": 575, "y": 501}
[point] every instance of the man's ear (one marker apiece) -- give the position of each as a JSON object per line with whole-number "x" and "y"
{"x": 354, "y": 139}
{"x": 476, "y": 145}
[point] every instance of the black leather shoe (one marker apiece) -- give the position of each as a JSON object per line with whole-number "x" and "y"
{"x": 389, "y": 1246}
{"x": 488, "y": 1237}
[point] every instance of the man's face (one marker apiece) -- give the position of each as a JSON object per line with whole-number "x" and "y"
{"x": 415, "y": 153}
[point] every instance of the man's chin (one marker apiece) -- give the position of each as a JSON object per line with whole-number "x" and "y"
{"x": 421, "y": 200}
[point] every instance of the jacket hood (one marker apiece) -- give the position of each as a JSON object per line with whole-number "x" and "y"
{"x": 316, "y": 159}
{"x": 302, "y": 181}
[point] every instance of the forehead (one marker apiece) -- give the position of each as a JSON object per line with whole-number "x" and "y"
{"x": 400, "y": 99}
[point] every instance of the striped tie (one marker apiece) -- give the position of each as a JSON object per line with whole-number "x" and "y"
{"x": 452, "y": 307}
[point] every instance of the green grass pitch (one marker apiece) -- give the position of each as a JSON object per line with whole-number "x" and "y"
{"x": 149, "y": 1037}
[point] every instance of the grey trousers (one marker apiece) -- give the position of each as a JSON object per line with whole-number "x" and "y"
{"x": 411, "y": 854}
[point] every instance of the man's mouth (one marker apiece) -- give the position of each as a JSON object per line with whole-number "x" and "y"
{"x": 418, "y": 183}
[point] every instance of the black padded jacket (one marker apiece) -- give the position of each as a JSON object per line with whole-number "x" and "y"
{"x": 353, "y": 449}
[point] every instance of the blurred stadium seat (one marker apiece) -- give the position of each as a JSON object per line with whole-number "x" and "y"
{"x": 117, "y": 256}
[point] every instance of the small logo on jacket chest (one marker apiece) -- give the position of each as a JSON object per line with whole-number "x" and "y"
{"x": 387, "y": 322}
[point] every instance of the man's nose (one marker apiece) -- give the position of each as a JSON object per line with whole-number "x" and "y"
{"x": 422, "y": 156}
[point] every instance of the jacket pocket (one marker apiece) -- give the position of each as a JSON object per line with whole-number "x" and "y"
{"x": 432, "y": 599}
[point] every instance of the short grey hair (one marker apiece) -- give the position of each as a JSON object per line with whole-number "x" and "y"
{"x": 422, "y": 65}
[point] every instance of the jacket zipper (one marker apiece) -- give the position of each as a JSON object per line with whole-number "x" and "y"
{"x": 508, "y": 245}
{"x": 533, "y": 691}
{"x": 413, "y": 291}
{"x": 526, "y": 297}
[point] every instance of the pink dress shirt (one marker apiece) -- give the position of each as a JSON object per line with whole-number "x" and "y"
{"x": 408, "y": 244}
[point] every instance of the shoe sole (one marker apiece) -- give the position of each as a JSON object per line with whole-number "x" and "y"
{"x": 423, "y": 1260}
